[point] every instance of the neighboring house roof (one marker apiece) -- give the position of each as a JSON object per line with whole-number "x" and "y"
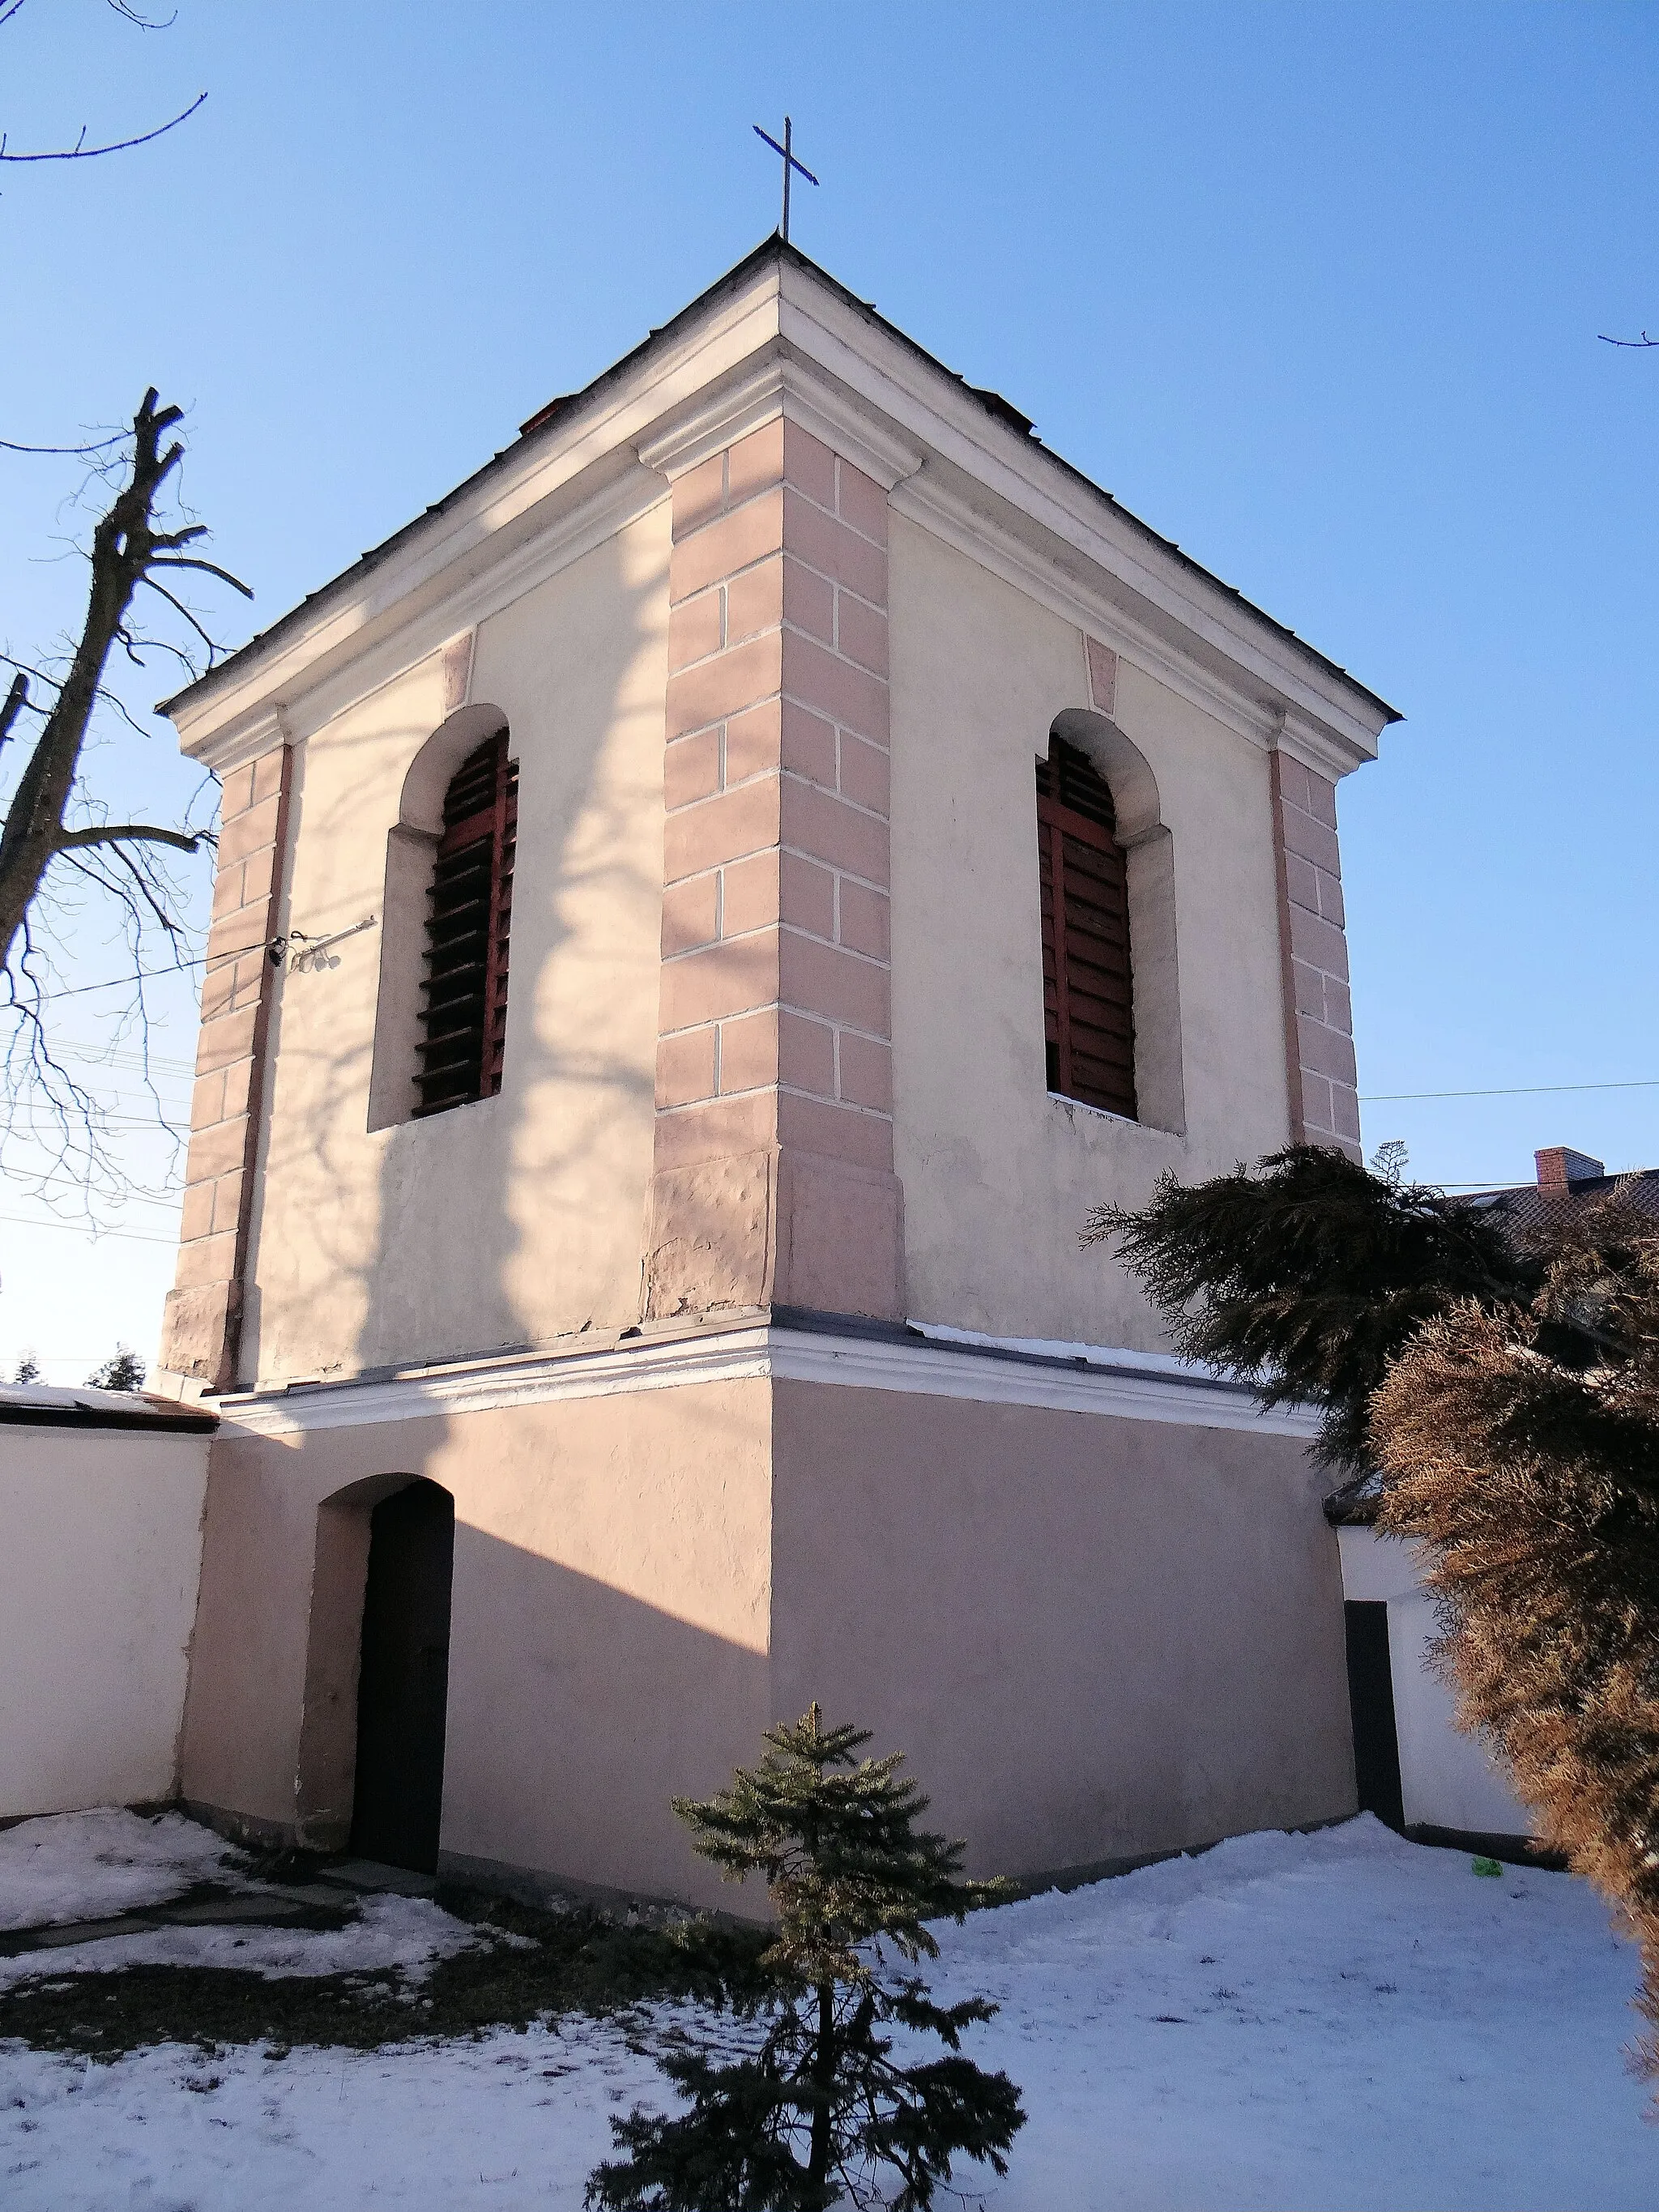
{"x": 560, "y": 411}
{"x": 1564, "y": 1179}
{"x": 41, "y": 1406}
{"x": 1530, "y": 1204}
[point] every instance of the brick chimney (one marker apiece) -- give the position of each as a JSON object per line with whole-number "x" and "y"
{"x": 1559, "y": 1168}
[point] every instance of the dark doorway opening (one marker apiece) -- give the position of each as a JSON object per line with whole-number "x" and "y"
{"x": 402, "y": 1689}
{"x": 1371, "y": 1701}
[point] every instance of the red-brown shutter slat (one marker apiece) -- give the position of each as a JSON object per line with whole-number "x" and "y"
{"x": 463, "y": 1019}
{"x": 1087, "y": 995}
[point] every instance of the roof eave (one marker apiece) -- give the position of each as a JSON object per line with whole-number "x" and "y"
{"x": 563, "y": 424}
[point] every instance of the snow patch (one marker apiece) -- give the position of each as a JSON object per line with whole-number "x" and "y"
{"x": 1335, "y": 2022}
{"x": 1097, "y": 1355}
{"x": 408, "y": 1933}
{"x": 87, "y": 1866}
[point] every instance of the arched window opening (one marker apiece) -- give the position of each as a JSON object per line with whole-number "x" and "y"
{"x": 1087, "y": 998}
{"x": 464, "y": 1014}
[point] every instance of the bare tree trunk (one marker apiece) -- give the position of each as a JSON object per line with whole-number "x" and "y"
{"x": 126, "y": 550}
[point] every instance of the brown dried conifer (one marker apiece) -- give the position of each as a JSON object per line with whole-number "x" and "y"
{"x": 1508, "y": 1391}
{"x": 1521, "y": 1449}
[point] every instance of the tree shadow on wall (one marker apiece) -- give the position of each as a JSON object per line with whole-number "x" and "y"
{"x": 515, "y": 1219}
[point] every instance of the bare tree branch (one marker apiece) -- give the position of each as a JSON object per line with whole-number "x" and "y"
{"x": 98, "y": 446}
{"x": 207, "y": 567}
{"x": 179, "y": 607}
{"x": 1639, "y": 343}
{"x": 16, "y": 700}
{"x": 123, "y": 546}
{"x": 53, "y": 1126}
{"x": 143, "y": 23}
{"x": 142, "y": 832}
{"x": 81, "y": 152}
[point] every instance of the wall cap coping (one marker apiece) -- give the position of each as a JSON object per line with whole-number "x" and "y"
{"x": 43, "y": 1405}
{"x": 786, "y": 1344}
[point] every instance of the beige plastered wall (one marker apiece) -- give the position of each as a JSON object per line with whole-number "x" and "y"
{"x": 518, "y": 1218}
{"x": 609, "y": 1627}
{"x": 998, "y": 1176}
{"x": 99, "y": 1571}
{"x": 1094, "y": 1637}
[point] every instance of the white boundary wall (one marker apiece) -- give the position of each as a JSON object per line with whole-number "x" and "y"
{"x": 100, "y": 1555}
{"x": 1446, "y": 1778}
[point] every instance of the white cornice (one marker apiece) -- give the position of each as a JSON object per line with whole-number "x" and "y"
{"x": 1115, "y": 1386}
{"x": 1308, "y": 742}
{"x": 710, "y": 421}
{"x": 781, "y": 385}
{"x": 426, "y": 621}
{"x": 844, "y": 424}
{"x": 532, "y": 486}
{"x": 924, "y": 499}
{"x": 256, "y": 734}
{"x": 1003, "y": 478}
{"x": 785, "y": 341}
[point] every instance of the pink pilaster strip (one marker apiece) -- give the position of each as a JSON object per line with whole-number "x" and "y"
{"x": 776, "y": 1024}
{"x": 1314, "y": 958}
{"x": 201, "y": 1329}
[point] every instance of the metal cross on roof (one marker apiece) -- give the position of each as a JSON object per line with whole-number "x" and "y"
{"x": 789, "y": 163}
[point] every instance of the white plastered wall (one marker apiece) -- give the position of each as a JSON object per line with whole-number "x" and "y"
{"x": 99, "y": 1570}
{"x": 998, "y": 1175}
{"x": 1446, "y": 1778}
{"x": 517, "y": 1219}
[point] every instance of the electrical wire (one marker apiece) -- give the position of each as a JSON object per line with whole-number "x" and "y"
{"x": 1511, "y": 1091}
{"x": 98, "y": 1236}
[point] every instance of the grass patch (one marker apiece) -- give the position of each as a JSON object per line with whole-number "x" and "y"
{"x": 578, "y": 1961}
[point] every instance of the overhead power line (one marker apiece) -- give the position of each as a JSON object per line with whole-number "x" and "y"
{"x": 119, "y": 1235}
{"x": 1507, "y": 1090}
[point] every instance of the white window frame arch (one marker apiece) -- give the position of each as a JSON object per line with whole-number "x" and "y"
{"x": 1154, "y": 963}
{"x": 411, "y": 846}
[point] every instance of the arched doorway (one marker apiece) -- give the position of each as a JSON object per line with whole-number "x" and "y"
{"x": 402, "y": 1684}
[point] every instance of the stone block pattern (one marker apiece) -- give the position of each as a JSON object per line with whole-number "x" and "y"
{"x": 1319, "y": 1014}
{"x": 204, "y": 1310}
{"x": 776, "y": 1024}
{"x": 775, "y": 979}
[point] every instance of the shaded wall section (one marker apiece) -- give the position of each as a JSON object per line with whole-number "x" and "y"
{"x": 608, "y": 1617}
{"x": 98, "y": 1582}
{"x": 1093, "y": 1637}
{"x": 516, "y": 1219}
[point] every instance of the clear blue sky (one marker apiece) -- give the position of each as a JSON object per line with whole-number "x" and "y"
{"x": 1315, "y": 290}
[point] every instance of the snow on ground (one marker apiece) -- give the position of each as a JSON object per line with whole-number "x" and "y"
{"x": 1343, "y": 2019}
{"x": 406, "y": 1932}
{"x": 81, "y": 1866}
{"x": 1326, "y": 2023}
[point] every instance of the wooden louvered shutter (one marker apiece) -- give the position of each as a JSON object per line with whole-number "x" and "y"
{"x": 1088, "y": 1014}
{"x": 464, "y": 1020}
